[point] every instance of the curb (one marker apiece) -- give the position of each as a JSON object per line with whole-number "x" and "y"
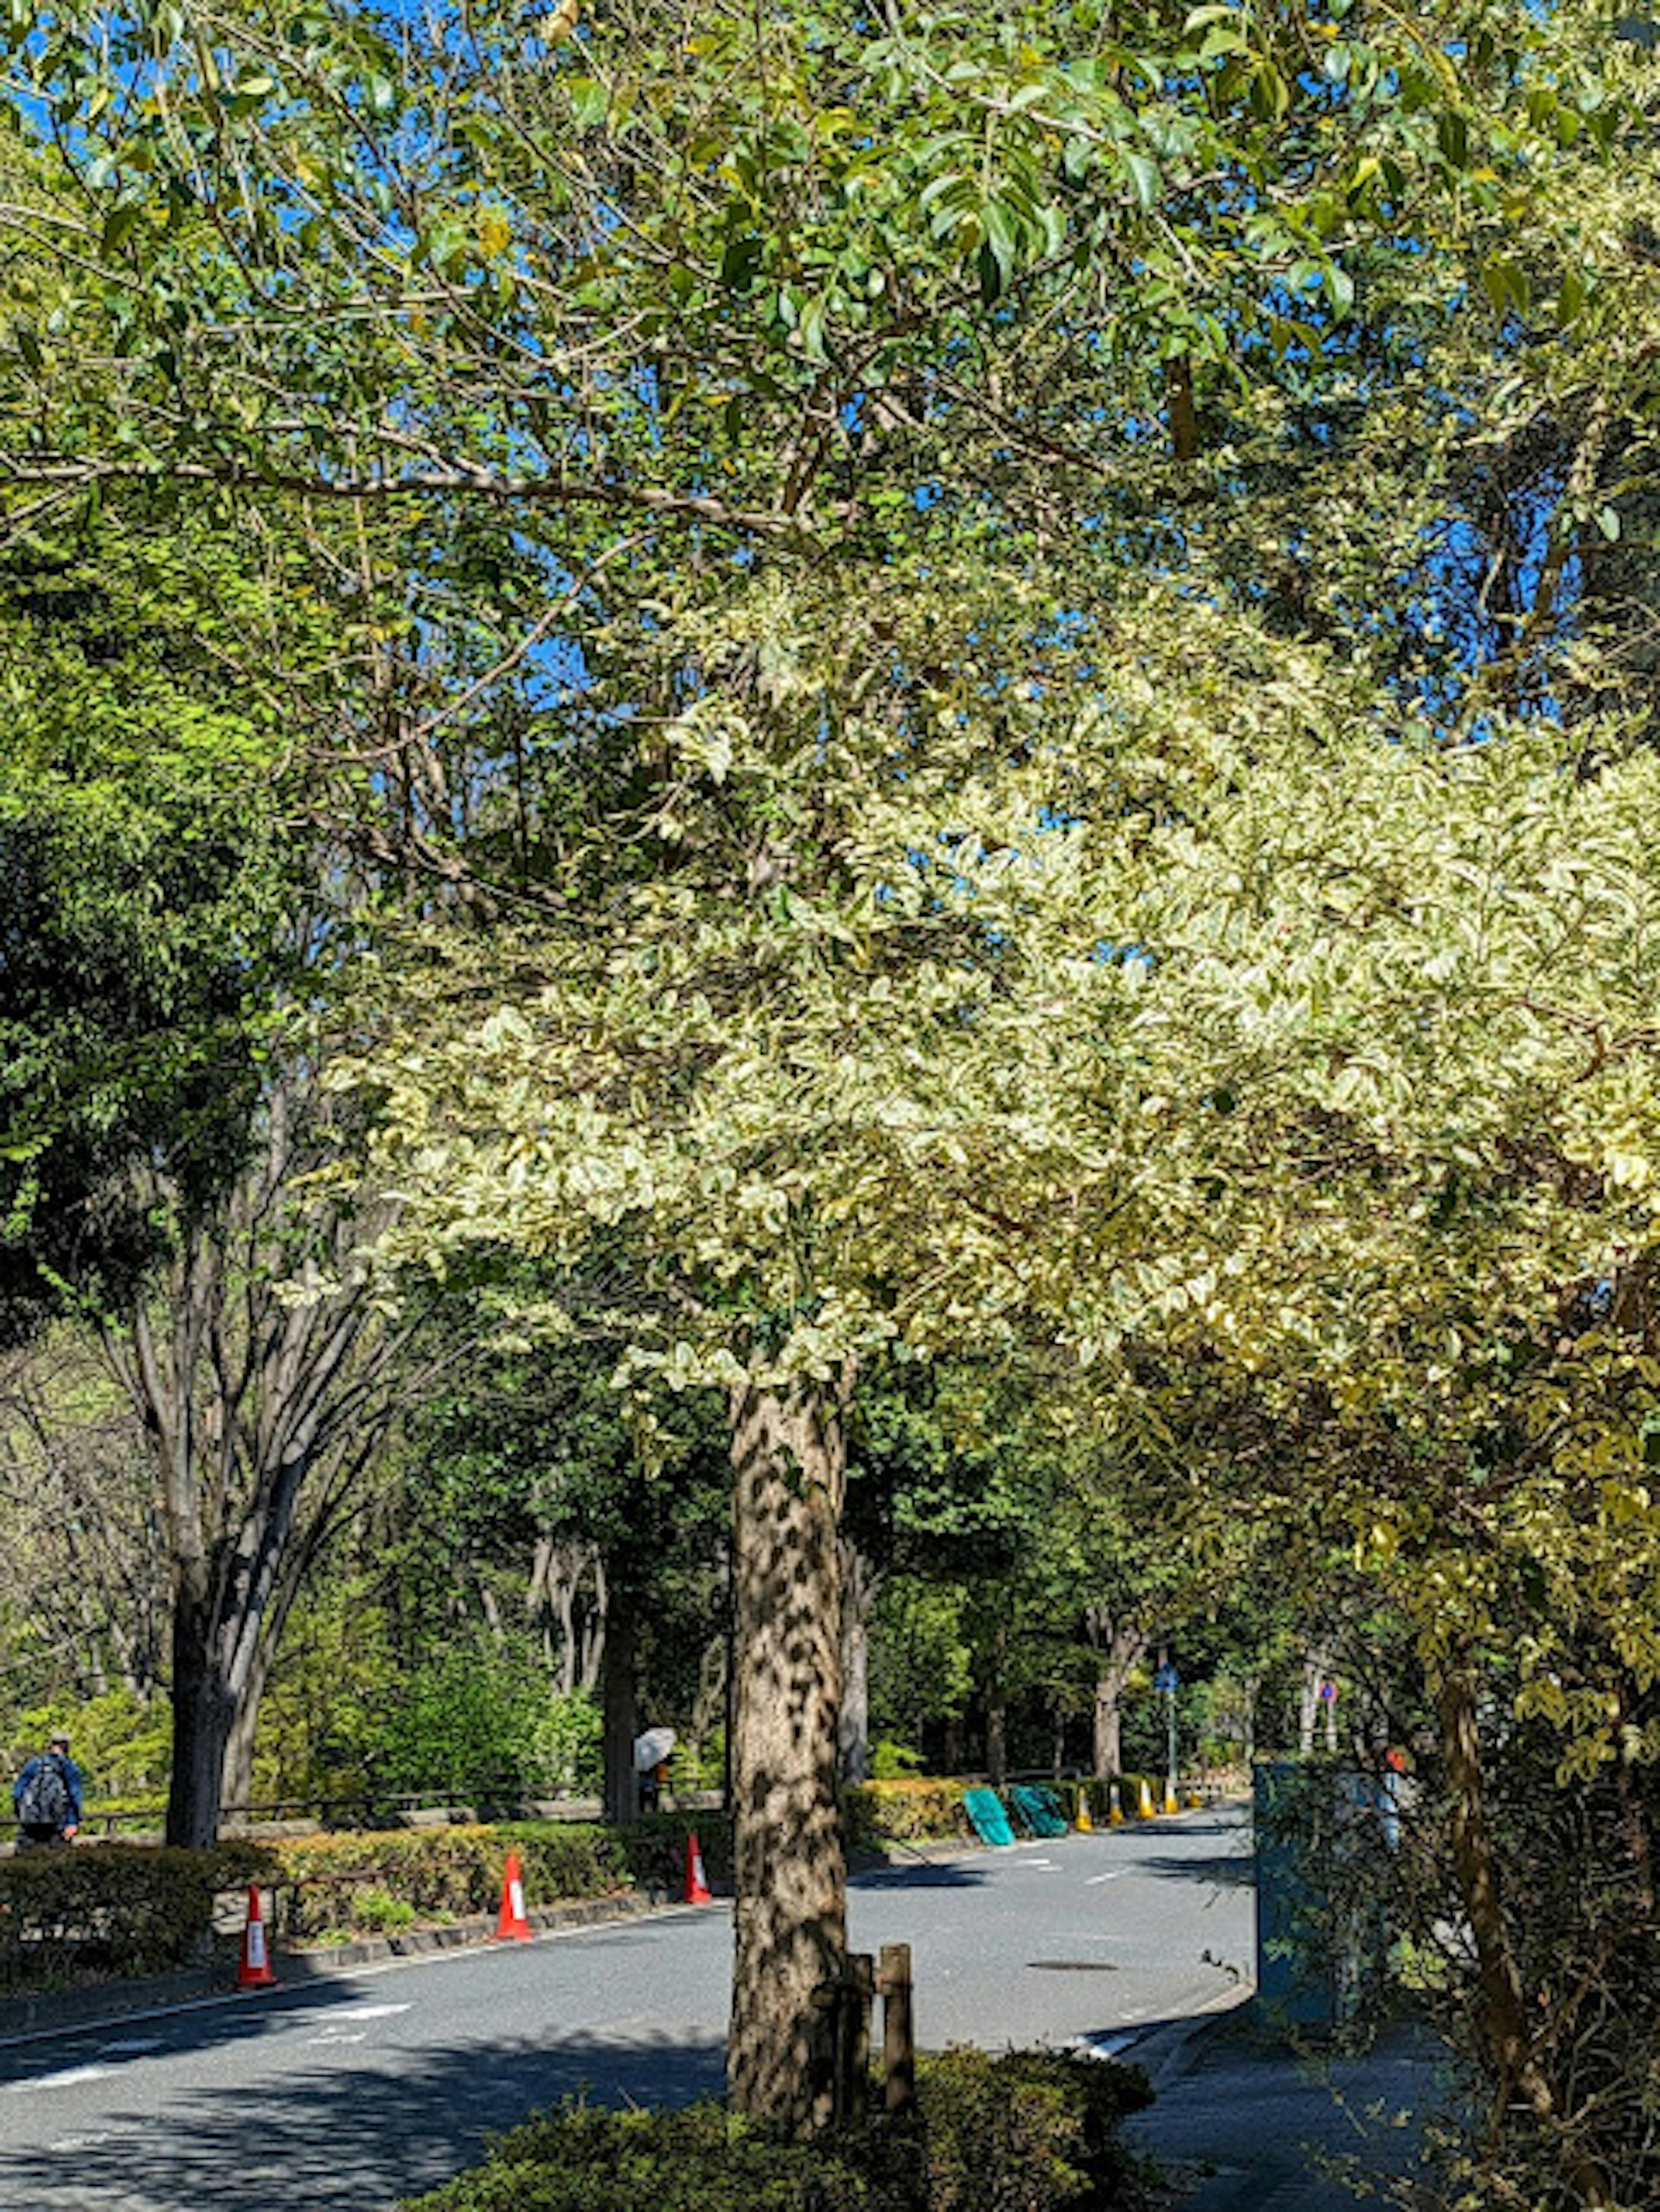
{"x": 45, "y": 2011}
{"x": 1170, "y": 2050}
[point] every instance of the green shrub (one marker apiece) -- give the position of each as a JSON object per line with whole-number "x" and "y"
{"x": 892, "y": 1761}
{"x": 114, "y": 1908}
{"x": 480, "y": 1720}
{"x": 920, "y": 1809}
{"x": 701, "y": 2160}
{"x": 1027, "y": 2131}
{"x": 122, "y": 1745}
{"x": 331, "y": 1882}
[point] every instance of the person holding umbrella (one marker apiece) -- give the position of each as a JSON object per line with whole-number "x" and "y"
{"x": 651, "y": 1764}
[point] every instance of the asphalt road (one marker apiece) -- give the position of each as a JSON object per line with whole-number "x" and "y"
{"x": 352, "y": 2091}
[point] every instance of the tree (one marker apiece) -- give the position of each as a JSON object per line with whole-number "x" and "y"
{"x": 810, "y": 294}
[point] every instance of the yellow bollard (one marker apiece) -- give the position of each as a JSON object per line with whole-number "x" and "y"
{"x": 1172, "y": 1803}
{"x": 1114, "y": 1810}
{"x": 1144, "y": 1808}
{"x": 1085, "y": 1826}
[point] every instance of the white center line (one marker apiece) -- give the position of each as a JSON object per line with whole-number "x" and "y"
{"x": 1097, "y": 1878}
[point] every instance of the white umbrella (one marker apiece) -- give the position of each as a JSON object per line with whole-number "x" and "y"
{"x": 653, "y": 1748}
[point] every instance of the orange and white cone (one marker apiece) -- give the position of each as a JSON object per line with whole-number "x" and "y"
{"x": 1115, "y": 1805}
{"x": 1085, "y": 1824}
{"x": 697, "y": 1890}
{"x": 254, "y": 1967}
{"x": 1144, "y": 1808}
{"x": 511, "y": 1924}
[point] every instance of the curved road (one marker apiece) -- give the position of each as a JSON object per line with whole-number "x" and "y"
{"x": 351, "y": 2090}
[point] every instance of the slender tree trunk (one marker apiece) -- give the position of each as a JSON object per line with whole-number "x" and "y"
{"x": 1504, "y": 2018}
{"x": 616, "y": 1683}
{"x": 859, "y": 1583}
{"x": 1315, "y": 1662}
{"x": 997, "y": 1735}
{"x": 594, "y": 1630}
{"x": 788, "y": 1466}
{"x": 238, "y": 1784}
{"x": 956, "y": 1751}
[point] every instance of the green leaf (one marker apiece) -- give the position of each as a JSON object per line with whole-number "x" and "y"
{"x": 1145, "y": 181}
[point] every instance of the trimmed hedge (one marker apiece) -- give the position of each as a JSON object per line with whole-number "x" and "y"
{"x": 336, "y": 1883}
{"x": 119, "y": 1909}
{"x": 114, "y": 1908}
{"x": 917, "y": 1808}
{"x": 1027, "y": 2131}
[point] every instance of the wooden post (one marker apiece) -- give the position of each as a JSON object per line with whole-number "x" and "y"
{"x": 853, "y": 2087}
{"x": 898, "y": 2027}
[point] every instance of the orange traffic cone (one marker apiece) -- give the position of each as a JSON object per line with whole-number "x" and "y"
{"x": 511, "y": 1924}
{"x": 254, "y": 1967}
{"x": 697, "y": 1890}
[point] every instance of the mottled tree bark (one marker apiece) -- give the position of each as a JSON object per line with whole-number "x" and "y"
{"x": 790, "y": 1923}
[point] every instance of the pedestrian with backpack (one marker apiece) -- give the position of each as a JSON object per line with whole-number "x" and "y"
{"x": 46, "y": 1798}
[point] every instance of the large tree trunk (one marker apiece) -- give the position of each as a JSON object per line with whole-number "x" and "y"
{"x": 788, "y": 1468}
{"x": 1122, "y": 1644}
{"x": 621, "y": 1724}
{"x": 859, "y": 1583}
{"x": 203, "y": 1715}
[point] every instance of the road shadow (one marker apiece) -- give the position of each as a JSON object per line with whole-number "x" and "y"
{"x": 360, "y": 2135}
{"x": 922, "y": 1875}
{"x": 1223, "y": 1871}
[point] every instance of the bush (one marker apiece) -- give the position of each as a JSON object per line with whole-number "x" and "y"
{"x": 701, "y": 2160}
{"x": 480, "y": 1720}
{"x": 1028, "y": 2131}
{"x": 916, "y": 1810}
{"x": 892, "y": 1761}
{"x": 116, "y": 1909}
{"x": 119, "y": 1908}
{"x": 328, "y": 1883}
{"x": 122, "y": 1745}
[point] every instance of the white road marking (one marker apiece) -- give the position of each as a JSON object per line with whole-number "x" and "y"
{"x": 1107, "y": 2046}
{"x": 67, "y": 2077}
{"x": 1095, "y": 1879}
{"x": 130, "y": 2046}
{"x": 371, "y": 2012}
{"x": 363, "y": 2038}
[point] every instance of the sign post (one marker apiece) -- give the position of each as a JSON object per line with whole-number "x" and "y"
{"x": 1169, "y": 1681}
